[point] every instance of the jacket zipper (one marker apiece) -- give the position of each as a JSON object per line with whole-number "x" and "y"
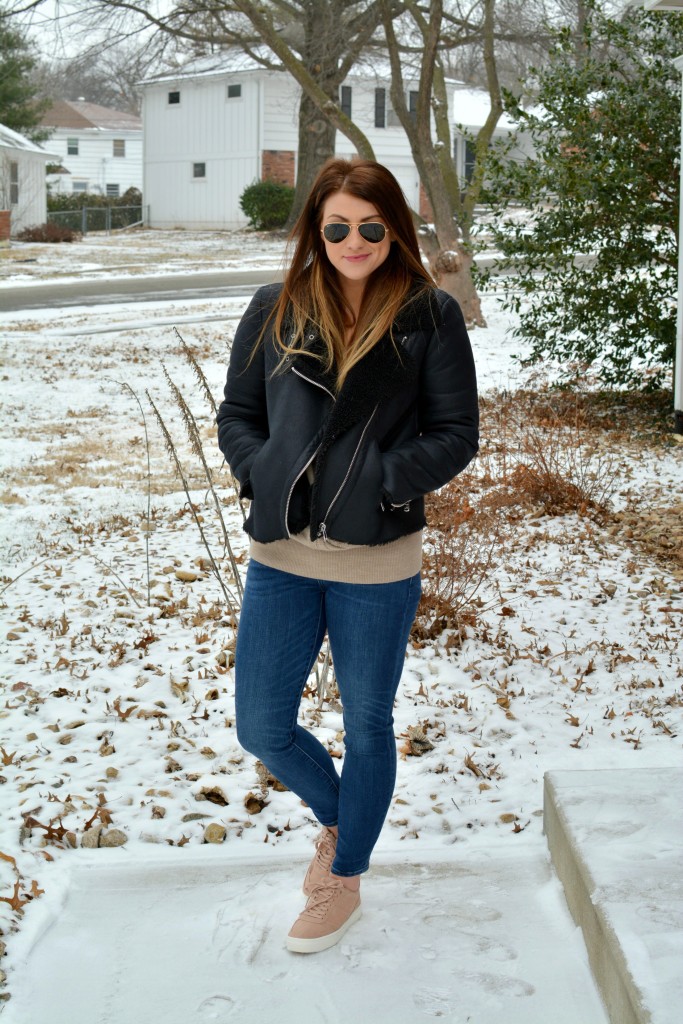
{"x": 291, "y": 489}
{"x": 301, "y": 473}
{"x": 322, "y": 528}
{"x": 310, "y": 381}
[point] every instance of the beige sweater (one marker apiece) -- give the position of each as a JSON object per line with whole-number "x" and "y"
{"x": 342, "y": 563}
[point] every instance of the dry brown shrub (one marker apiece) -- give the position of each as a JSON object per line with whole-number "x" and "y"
{"x": 462, "y": 542}
{"x": 49, "y": 232}
{"x": 543, "y": 458}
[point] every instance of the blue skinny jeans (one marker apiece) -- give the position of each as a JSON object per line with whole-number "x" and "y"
{"x": 282, "y": 625}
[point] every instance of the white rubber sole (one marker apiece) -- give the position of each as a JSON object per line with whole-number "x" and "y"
{"x": 296, "y": 945}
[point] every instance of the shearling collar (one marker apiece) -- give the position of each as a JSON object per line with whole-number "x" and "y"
{"x": 385, "y": 371}
{"x": 387, "y": 363}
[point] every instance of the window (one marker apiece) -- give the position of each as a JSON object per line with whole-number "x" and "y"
{"x": 119, "y": 147}
{"x": 234, "y": 92}
{"x": 72, "y": 147}
{"x": 380, "y": 108}
{"x": 173, "y": 98}
{"x": 346, "y": 100}
{"x": 113, "y": 191}
{"x": 470, "y": 157}
{"x": 198, "y": 170}
{"x": 13, "y": 183}
{"x": 412, "y": 104}
{"x": 79, "y": 186}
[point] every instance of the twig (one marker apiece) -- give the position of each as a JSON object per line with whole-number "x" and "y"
{"x": 91, "y": 554}
{"x": 34, "y": 566}
{"x": 179, "y": 469}
{"x": 204, "y": 386}
{"x": 197, "y": 448}
{"x": 124, "y": 384}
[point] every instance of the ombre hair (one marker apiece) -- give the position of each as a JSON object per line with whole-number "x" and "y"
{"x": 312, "y": 293}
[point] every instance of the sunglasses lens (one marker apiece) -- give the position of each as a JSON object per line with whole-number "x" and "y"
{"x": 336, "y": 232}
{"x": 372, "y": 232}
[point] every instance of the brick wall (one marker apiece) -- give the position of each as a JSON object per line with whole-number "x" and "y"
{"x": 278, "y": 165}
{"x": 4, "y": 226}
{"x": 425, "y": 206}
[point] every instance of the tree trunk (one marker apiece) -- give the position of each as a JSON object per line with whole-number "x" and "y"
{"x": 316, "y": 145}
{"x": 449, "y": 261}
{"x": 451, "y": 267}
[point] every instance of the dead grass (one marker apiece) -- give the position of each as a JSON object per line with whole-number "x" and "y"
{"x": 630, "y": 417}
{"x": 657, "y": 531}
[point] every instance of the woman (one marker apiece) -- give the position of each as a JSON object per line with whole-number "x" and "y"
{"x": 351, "y": 393}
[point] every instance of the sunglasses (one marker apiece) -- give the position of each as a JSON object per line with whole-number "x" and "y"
{"x": 371, "y": 232}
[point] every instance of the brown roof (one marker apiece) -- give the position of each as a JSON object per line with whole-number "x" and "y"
{"x": 79, "y": 114}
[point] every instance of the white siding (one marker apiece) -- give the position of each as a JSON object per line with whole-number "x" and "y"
{"x": 229, "y": 136}
{"x": 390, "y": 144}
{"x": 281, "y": 112}
{"x": 95, "y": 164}
{"x": 30, "y": 209}
{"x": 205, "y": 127}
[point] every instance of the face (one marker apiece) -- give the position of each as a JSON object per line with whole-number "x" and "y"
{"x": 354, "y": 258}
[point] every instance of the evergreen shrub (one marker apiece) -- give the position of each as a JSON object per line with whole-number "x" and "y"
{"x": 267, "y": 204}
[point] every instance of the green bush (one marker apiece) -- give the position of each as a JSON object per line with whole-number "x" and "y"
{"x": 267, "y": 204}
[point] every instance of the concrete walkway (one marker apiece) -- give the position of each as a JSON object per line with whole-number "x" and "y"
{"x": 193, "y": 936}
{"x": 616, "y": 839}
{"x": 479, "y": 934}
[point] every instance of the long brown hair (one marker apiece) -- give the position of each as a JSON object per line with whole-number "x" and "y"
{"x": 312, "y": 294}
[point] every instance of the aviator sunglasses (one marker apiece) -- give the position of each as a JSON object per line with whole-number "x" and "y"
{"x": 371, "y": 232}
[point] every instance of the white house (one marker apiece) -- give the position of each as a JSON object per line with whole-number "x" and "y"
{"x": 100, "y": 149}
{"x": 23, "y": 190}
{"x": 225, "y": 121}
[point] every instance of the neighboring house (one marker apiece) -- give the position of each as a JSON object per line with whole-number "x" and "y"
{"x": 23, "y": 189}
{"x": 224, "y": 121}
{"x": 100, "y": 149}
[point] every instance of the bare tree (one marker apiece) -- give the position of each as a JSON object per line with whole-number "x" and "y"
{"x": 110, "y": 77}
{"x": 316, "y": 41}
{"x": 448, "y": 246}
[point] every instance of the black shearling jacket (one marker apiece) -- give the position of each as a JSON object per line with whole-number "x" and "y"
{"x": 404, "y": 423}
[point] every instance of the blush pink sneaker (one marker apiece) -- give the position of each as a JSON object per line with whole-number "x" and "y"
{"x": 319, "y": 868}
{"x": 331, "y": 910}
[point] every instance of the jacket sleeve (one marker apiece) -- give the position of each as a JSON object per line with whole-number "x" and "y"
{"x": 242, "y": 417}
{"x": 448, "y": 413}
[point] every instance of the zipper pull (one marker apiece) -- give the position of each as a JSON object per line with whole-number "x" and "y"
{"x": 322, "y": 531}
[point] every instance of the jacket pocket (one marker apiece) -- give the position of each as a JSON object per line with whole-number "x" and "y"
{"x": 358, "y": 508}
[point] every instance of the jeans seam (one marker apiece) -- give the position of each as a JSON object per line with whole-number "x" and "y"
{"x": 309, "y": 664}
{"x": 400, "y": 654}
{"x": 321, "y": 771}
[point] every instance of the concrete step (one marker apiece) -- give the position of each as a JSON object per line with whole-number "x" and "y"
{"x": 616, "y": 840}
{"x": 197, "y": 935}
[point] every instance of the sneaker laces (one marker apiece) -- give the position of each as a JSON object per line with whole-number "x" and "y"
{"x": 319, "y": 901}
{"x": 326, "y": 845}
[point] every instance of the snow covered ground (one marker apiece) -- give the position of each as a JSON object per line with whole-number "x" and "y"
{"x": 117, "y": 715}
{"x": 138, "y": 253}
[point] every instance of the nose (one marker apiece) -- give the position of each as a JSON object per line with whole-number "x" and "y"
{"x": 356, "y": 240}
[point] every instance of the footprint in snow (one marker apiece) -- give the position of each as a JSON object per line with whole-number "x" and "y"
{"x": 217, "y": 1008}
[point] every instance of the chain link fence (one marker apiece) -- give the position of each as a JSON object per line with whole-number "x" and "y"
{"x": 100, "y": 218}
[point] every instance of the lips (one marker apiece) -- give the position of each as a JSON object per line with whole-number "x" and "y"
{"x": 357, "y": 259}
